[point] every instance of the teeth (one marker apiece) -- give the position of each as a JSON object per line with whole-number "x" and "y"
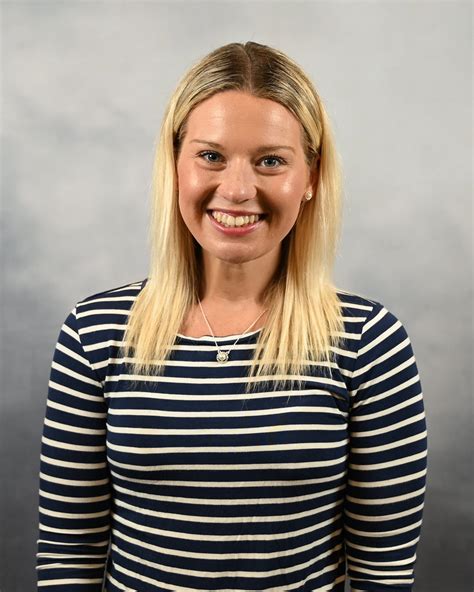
{"x": 231, "y": 221}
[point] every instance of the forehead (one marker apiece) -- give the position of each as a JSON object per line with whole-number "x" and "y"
{"x": 245, "y": 115}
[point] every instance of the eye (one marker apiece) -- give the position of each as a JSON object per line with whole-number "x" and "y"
{"x": 209, "y": 153}
{"x": 276, "y": 158}
{"x": 213, "y": 157}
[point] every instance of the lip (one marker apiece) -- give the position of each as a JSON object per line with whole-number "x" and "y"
{"x": 235, "y": 213}
{"x": 235, "y": 231}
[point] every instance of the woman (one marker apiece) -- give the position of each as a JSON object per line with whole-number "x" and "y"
{"x": 235, "y": 421}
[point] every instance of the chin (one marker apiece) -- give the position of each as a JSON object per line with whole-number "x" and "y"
{"x": 237, "y": 259}
{"x": 235, "y": 256}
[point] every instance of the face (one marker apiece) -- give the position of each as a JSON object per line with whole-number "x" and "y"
{"x": 241, "y": 154}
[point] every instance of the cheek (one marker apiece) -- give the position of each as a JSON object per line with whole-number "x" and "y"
{"x": 189, "y": 184}
{"x": 188, "y": 190}
{"x": 190, "y": 179}
{"x": 193, "y": 197}
{"x": 292, "y": 187}
{"x": 287, "y": 196}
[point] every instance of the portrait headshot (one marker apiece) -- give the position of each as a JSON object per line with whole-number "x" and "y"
{"x": 237, "y": 256}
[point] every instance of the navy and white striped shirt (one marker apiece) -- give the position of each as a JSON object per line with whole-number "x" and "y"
{"x": 184, "y": 482}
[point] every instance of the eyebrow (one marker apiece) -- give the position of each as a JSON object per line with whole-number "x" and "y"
{"x": 259, "y": 149}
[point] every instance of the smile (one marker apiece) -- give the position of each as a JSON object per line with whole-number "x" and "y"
{"x": 233, "y": 221}
{"x": 237, "y": 226}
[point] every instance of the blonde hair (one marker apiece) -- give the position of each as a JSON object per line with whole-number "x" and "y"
{"x": 304, "y": 323}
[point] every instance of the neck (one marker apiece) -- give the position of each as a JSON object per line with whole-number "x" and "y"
{"x": 234, "y": 285}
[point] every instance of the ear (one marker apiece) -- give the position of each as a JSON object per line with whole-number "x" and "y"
{"x": 176, "y": 174}
{"x": 314, "y": 175}
{"x": 313, "y": 178}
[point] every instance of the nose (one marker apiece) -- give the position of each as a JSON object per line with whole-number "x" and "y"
{"x": 238, "y": 182}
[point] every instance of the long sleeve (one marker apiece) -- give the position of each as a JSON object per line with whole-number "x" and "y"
{"x": 74, "y": 497}
{"x": 387, "y": 459}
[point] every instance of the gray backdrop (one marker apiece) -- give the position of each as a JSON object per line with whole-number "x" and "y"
{"x": 84, "y": 85}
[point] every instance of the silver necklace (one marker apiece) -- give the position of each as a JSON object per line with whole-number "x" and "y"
{"x": 222, "y": 356}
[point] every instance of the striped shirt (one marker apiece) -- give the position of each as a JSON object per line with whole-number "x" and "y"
{"x": 184, "y": 482}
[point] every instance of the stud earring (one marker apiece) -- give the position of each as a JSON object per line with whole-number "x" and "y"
{"x": 308, "y": 195}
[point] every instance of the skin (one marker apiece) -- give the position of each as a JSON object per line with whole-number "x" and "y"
{"x": 239, "y": 175}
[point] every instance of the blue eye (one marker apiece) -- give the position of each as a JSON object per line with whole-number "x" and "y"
{"x": 276, "y": 158}
{"x": 208, "y": 153}
{"x": 270, "y": 157}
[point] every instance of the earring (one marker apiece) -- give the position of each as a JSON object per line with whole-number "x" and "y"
{"x": 308, "y": 195}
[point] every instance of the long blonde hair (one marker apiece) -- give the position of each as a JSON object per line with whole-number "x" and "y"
{"x": 304, "y": 323}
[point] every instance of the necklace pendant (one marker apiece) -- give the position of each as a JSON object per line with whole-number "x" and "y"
{"x": 222, "y": 356}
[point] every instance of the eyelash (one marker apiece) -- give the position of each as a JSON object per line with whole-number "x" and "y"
{"x": 274, "y": 156}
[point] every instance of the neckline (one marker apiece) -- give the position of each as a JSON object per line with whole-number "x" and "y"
{"x": 210, "y": 338}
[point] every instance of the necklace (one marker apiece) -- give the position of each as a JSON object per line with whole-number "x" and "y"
{"x": 223, "y": 356}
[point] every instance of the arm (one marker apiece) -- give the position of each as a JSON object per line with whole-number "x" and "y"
{"x": 387, "y": 459}
{"x": 74, "y": 497}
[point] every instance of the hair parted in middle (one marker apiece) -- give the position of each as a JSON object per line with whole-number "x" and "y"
{"x": 304, "y": 323}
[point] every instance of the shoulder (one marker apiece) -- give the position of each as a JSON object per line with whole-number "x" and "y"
{"x": 368, "y": 320}
{"x": 118, "y": 297}
{"x": 108, "y": 309}
{"x": 376, "y": 341}
{"x": 115, "y": 293}
{"x": 379, "y": 361}
{"x": 357, "y": 305}
{"x": 97, "y": 323}
{"x": 358, "y": 310}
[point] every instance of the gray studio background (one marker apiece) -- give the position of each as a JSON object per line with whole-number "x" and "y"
{"x": 84, "y": 85}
